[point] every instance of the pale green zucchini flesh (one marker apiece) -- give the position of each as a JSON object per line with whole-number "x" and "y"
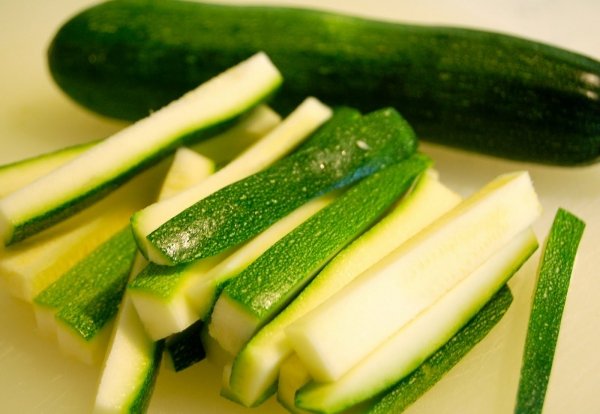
{"x": 284, "y": 138}
{"x": 399, "y": 397}
{"x": 227, "y": 145}
{"x": 293, "y": 375}
{"x": 256, "y": 366}
{"x": 408, "y": 347}
{"x": 158, "y": 294}
{"x": 149, "y": 285}
{"x": 20, "y": 173}
{"x": 187, "y": 166}
{"x": 389, "y": 294}
{"x": 90, "y": 176}
{"x": 554, "y": 275}
{"x": 130, "y": 368}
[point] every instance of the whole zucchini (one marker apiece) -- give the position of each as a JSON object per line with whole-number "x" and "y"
{"x": 477, "y": 90}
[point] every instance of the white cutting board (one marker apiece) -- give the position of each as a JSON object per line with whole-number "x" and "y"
{"x": 35, "y": 117}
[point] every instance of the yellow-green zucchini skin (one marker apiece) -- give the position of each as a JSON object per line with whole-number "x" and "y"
{"x": 477, "y": 90}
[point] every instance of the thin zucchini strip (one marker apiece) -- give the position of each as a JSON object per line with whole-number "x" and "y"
{"x": 84, "y": 301}
{"x": 264, "y": 288}
{"x": 421, "y": 337}
{"x": 171, "y": 298}
{"x": 554, "y": 275}
{"x": 227, "y": 145}
{"x": 256, "y": 366}
{"x": 20, "y": 173}
{"x": 413, "y": 277}
{"x": 133, "y": 359}
{"x": 32, "y": 265}
{"x": 332, "y": 159}
{"x": 200, "y": 113}
{"x": 412, "y": 387}
{"x": 297, "y": 126}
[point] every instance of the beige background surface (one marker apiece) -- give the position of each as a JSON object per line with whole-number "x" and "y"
{"x": 35, "y": 117}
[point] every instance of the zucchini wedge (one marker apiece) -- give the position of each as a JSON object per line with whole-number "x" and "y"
{"x": 390, "y": 294}
{"x": 309, "y": 115}
{"x": 255, "y": 367}
{"x": 335, "y": 157}
{"x": 201, "y": 112}
{"x": 187, "y": 167}
{"x": 263, "y": 289}
{"x": 554, "y": 275}
{"x": 481, "y": 91}
{"x": 409, "y": 346}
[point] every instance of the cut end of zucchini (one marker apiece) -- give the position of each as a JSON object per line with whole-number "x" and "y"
{"x": 161, "y": 317}
{"x": 130, "y": 366}
{"x": 89, "y": 351}
{"x": 187, "y": 166}
{"x": 231, "y": 324}
{"x": 292, "y": 377}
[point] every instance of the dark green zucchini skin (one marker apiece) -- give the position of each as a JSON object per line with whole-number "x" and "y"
{"x": 476, "y": 90}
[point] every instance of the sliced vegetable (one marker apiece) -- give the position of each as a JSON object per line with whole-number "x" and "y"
{"x": 338, "y": 157}
{"x": 390, "y": 294}
{"x": 133, "y": 359}
{"x": 85, "y": 300}
{"x": 32, "y": 265}
{"x": 171, "y": 298}
{"x": 108, "y": 164}
{"x": 131, "y": 367}
{"x": 477, "y": 90}
{"x": 227, "y": 145}
{"x": 265, "y": 287}
{"x": 215, "y": 354}
{"x": 20, "y": 173}
{"x": 413, "y": 386}
{"x": 422, "y": 336}
{"x": 554, "y": 275}
{"x": 187, "y": 167}
{"x": 293, "y": 376}
{"x": 283, "y": 139}
{"x": 256, "y": 366}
